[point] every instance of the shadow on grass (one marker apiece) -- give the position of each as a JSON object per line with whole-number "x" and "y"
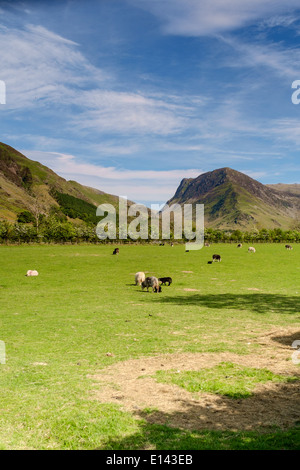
{"x": 160, "y": 437}
{"x": 259, "y": 303}
{"x": 268, "y": 420}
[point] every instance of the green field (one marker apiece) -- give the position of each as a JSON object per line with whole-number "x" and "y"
{"x": 83, "y": 315}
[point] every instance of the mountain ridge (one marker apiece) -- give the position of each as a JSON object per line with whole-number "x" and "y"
{"x": 234, "y": 200}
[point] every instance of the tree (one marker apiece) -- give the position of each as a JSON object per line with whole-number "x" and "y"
{"x": 25, "y": 217}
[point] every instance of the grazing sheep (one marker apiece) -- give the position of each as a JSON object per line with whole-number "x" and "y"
{"x": 151, "y": 282}
{"x": 164, "y": 280}
{"x": 206, "y": 244}
{"x": 288, "y": 247}
{"x": 116, "y": 251}
{"x": 31, "y": 272}
{"x": 139, "y": 278}
{"x": 239, "y": 245}
{"x": 251, "y": 249}
{"x": 216, "y": 258}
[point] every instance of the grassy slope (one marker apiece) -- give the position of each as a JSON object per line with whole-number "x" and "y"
{"x": 59, "y": 326}
{"x": 236, "y": 208}
{"x": 14, "y": 199}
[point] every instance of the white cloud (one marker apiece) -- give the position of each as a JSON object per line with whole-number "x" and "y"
{"x": 210, "y": 17}
{"x": 46, "y": 71}
{"x": 145, "y": 185}
{"x": 64, "y": 163}
{"x": 110, "y": 111}
{"x": 40, "y": 66}
{"x": 275, "y": 58}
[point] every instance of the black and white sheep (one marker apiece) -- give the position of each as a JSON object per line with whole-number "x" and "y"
{"x": 151, "y": 282}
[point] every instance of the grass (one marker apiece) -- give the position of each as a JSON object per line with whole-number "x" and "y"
{"x": 59, "y": 326}
{"x": 227, "y": 379}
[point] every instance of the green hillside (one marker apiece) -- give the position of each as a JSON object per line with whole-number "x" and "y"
{"x": 233, "y": 200}
{"x": 26, "y": 185}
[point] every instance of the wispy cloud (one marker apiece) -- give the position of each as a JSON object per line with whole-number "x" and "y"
{"x": 210, "y": 17}
{"x": 273, "y": 57}
{"x": 122, "y": 112}
{"x": 44, "y": 70}
{"x": 42, "y": 67}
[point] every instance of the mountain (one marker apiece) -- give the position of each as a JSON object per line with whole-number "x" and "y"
{"x": 293, "y": 189}
{"x": 233, "y": 200}
{"x": 26, "y": 185}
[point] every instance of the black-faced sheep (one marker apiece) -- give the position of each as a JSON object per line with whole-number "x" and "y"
{"x": 288, "y": 247}
{"x": 116, "y": 251}
{"x": 216, "y": 258}
{"x": 165, "y": 280}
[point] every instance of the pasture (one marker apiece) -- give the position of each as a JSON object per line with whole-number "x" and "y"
{"x": 93, "y": 362}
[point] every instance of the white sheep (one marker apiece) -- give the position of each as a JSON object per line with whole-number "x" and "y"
{"x": 31, "y": 272}
{"x": 251, "y": 249}
{"x": 139, "y": 278}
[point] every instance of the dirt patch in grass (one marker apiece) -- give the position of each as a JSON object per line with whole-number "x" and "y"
{"x": 130, "y": 383}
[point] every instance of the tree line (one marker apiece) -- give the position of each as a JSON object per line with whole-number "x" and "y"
{"x": 53, "y": 229}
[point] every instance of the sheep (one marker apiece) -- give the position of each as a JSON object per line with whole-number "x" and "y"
{"x": 288, "y": 247}
{"x": 116, "y": 251}
{"x": 139, "y": 278}
{"x": 216, "y": 258}
{"x": 239, "y": 245}
{"x": 206, "y": 244}
{"x": 164, "y": 280}
{"x": 251, "y": 249}
{"x": 31, "y": 272}
{"x": 151, "y": 282}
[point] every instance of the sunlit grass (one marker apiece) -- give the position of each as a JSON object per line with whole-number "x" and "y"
{"x": 59, "y": 327}
{"x": 225, "y": 379}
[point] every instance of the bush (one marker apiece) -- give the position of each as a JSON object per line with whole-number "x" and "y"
{"x": 25, "y": 217}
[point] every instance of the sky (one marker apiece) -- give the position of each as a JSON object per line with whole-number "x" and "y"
{"x": 132, "y": 96}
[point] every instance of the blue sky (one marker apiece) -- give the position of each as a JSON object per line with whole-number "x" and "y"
{"x": 131, "y": 96}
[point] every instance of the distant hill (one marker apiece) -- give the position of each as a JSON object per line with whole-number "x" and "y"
{"x": 26, "y": 185}
{"x": 233, "y": 200}
{"x": 293, "y": 189}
